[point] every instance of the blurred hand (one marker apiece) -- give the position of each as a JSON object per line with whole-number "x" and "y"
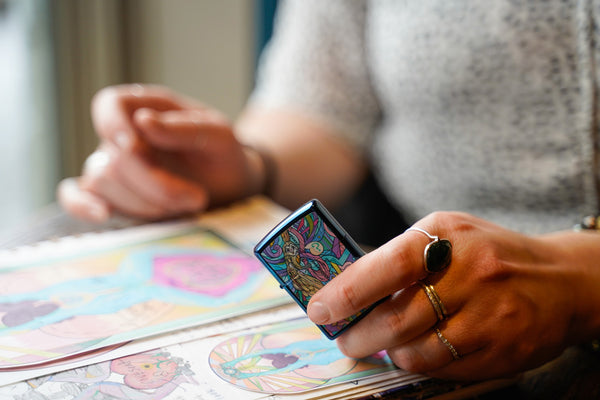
{"x": 160, "y": 155}
{"x": 513, "y": 301}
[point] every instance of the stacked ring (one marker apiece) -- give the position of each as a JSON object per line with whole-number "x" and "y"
{"x": 434, "y": 299}
{"x": 447, "y": 343}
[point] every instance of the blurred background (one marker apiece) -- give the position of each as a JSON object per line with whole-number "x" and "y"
{"x": 55, "y": 54}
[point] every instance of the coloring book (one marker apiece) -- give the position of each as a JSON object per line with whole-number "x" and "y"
{"x": 172, "y": 310}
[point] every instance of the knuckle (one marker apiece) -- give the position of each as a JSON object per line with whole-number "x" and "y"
{"x": 391, "y": 259}
{"x": 452, "y": 221}
{"x": 346, "y": 349}
{"x": 348, "y": 298}
{"x": 395, "y": 253}
{"x": 409, "y": 359}
{"x": 108, "y": 93}
{"x": 517, "y": 310}
{"x": 490, "y": 266}
{"x": 394, "y": 322}
{"x": 98, "y": 175}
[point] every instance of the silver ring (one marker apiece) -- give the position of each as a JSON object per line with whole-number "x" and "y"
{"x": 434, "y": 299}
{"x": 447, "y": 343}
{"x": 437, "y": 254}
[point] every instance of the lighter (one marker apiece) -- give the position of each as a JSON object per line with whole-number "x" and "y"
{"x": 305, "y": 251}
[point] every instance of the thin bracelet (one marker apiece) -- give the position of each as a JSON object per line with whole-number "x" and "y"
{"x": 590, "y": 222}
{"x": 270, "y": 167}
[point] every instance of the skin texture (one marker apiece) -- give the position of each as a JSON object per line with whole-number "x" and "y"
{"x": 513, "y": 301}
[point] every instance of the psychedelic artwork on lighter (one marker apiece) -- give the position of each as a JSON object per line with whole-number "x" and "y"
{"x": 59, "y": 308}
{"x": 304, "y": 254}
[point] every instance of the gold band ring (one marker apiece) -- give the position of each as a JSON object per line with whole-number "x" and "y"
{"x": 447, "y": 343}
{"x": 434, "y": 299}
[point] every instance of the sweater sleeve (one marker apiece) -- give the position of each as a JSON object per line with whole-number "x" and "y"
{"x": 316, "y": 63}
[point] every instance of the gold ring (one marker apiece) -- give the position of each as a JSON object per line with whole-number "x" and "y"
{"x": 437, "y": 254}
{"x": 434, "y": 299}
{"x": 447, "y": 343}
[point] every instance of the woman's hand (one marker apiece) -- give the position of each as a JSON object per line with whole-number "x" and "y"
{"x": 160, "y": 155}
{"x": 513, "y": 301}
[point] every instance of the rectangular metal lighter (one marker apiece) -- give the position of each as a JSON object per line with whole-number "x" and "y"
{"x": 305, "y": 251}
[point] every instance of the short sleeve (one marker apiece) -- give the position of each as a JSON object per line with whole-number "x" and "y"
{"x": 316, "y": 63}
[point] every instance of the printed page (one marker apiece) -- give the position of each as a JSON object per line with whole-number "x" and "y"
{"x": 291, "y": 359}
{"x": 80, "y": 295}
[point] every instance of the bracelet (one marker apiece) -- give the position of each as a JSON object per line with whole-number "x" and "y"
{"x": 590, "y": 222}
{"x": 270, "y": 167}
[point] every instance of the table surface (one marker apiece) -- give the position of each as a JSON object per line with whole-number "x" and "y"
{"x": 574, "y": 375}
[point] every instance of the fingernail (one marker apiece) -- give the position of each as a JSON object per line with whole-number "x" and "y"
{"x": 96, "y": 162}
{"x": 318, "y": 313}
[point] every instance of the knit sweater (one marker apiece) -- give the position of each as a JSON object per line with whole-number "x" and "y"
{"x": 488, "y": 107}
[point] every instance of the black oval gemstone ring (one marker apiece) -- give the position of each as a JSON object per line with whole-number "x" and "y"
{"x": 438, "y": 253}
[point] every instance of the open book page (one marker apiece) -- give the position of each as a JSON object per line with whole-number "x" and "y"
{"x": 79, "y": 295}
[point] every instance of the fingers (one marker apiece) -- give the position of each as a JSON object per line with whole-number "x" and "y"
{"x": 102, "y": 181}
{"x": 80, "y": 203}
{"x": 393, "y": 266}
{"x": 124, "y": 175}
{"x": 403, "y": 317}
{"x": 405, "y": 326}
{"x": 159, "y": 187}
{"x": 119, "y": 196}
{"x": 129, "y": 185}
{"x": 190, "y": 129}
{"x": 399, "y": 319}
{"x": 112, "y": 109}
{"x": 449, "y": 346}
{"x": 430, "y": 355}
{"x": 478, "y": 366}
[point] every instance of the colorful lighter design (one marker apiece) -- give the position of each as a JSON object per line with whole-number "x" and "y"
{"x": 304, "y": 252}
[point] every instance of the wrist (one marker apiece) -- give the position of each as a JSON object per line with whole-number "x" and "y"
{"x": 579, "y": 255}
{"x": 263, "y": 171}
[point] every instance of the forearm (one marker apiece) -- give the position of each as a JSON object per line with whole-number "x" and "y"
{"x": 309, "y": 161}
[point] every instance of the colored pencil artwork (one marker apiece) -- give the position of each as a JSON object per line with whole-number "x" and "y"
{"x": 289, "y": 358}
{"x": 60, "y": 308}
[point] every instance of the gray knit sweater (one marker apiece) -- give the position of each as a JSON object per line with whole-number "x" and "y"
{"x": 488, "y": 107}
